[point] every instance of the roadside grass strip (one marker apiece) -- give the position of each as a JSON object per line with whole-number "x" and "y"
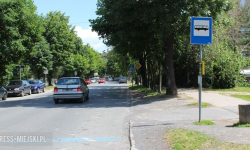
{"x": 147, "y": 91}
{"x": 49, "y": 87}
{"x": 245, "y": 97}
{"x": 203, "y": 104}
{"x": 236, "y": 89}
{"x": 183, "y": 139}
{"x": 241, "y": 125}
{"x": 204, "y": 122}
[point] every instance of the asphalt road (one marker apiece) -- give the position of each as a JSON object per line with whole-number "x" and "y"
{"x": 101, "y": 123}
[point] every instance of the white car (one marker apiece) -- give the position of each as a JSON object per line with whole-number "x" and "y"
{"x": 93, "y": 80}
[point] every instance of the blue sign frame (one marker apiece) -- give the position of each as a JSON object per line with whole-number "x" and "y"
{"x": 201, "y": 30}
{"x": 131, "y": 67}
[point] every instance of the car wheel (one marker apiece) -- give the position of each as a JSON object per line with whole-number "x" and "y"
{"x": 38, "y": 91}
{"x": 4, "y": 96}
{"x": 56, "y": 101}
{"x": 87, "y": 98}
{"x": 22, "y": 94}
{"x": 81, "y": 100}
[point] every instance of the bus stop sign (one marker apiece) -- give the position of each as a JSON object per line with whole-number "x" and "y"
{"x": 201, "y": 30}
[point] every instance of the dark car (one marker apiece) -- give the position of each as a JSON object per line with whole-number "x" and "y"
{"x": 18, "y": 87}
{"x": 3, "y": 93}
{"x": 68, "y": 88}
{"x": 37, "y": 86}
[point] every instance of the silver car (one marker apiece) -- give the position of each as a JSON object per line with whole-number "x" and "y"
{"x": 123, "y": 80}
{"x": 68, "y": 88}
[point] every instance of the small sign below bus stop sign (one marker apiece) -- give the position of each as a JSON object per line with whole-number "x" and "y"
{"x": 201, "y": 30}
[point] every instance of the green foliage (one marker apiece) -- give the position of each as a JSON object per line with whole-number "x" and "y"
{"x": 144, "y": 29}
{"x": 223, "y": 59}
{"x": 20, "y": 28}
{"x": 204, "y": 122}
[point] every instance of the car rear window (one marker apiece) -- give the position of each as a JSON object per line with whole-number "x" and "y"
{"x": 68, "y": 81}
{"x": 15, "y": 83}
{"x": 33, "y": 82}
{"x": 102, "y": 79}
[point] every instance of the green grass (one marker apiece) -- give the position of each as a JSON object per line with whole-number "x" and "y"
{"x": 141, "y": 88}
{"x": 203, "y": 104}
{"x": 241, "y": 125}
{"x": 245, "y": 97}
{"x": 183, "y": 139}
{"x": 49, "y": 87}
{"x": 236, "y": 89}
{"x": 204, "y": 122}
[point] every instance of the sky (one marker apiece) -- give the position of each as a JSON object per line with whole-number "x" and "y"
{"x": 79, "y": 12}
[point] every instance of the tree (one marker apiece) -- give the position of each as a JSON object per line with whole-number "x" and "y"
{"x": 19, "y": 30}
{"x": 135, "y": 26}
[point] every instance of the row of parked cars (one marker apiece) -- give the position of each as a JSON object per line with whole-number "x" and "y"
{"x": 93, "y": 80}
{"x": 22, "y": 87}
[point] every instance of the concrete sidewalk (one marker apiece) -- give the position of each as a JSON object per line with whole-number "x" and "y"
{"x": 150, "y": 118}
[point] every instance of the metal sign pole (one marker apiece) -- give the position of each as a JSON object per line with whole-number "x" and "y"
{"x": 200, "y": 84}
{"x": 20, "y": 73}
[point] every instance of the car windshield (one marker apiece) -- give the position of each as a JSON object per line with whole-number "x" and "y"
{"x": 68, "y": 81}
{"x": 14, "y": 83}
{"x": 102, "y": 79}
{"x": 123, "y": 78}
{"x": 33, "y": 82}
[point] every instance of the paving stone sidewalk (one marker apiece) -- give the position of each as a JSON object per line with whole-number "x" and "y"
{"x": 151, "y": 117}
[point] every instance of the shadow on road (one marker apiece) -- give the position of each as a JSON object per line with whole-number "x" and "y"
{"x": 100, "y": 96}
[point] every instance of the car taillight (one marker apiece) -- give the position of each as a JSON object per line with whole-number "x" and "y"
{"x": 55, "y": 89}
{"x": 79, "y": 88}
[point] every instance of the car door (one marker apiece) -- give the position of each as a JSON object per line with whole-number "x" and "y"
{"x": 41, "y": 84}
{"x": 1, "y": 92}
{"x": 26, "y": 86}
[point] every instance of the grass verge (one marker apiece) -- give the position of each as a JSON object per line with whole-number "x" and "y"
{"x": 245, "y": 97}
{"x": 183, "y": 139}
{"x": 236, "y": 89}
{"x": 241, "y": 125}
{"x": 204, "y": 122}
{"x": 49, "y": 87}
{"x": 203, "y": 104}
{"x": 141, "y": 88}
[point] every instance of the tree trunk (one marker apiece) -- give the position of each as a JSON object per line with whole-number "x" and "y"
{"x": 143, "y": 72}
{"x": 171, "y": 88}
{"x": 160, "y": 76}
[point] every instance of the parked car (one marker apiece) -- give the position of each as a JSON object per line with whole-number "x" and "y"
{"x": 37, "y": 86}
{"x": 93, "y": 80}
{"x": 101, "y": 80}
{"x": 18, "y": 87}
{"x": 115, "y": 79}
{"x": 123, "y": 80}
{"x": 68, "y": 88}
{"x": 87, "y": 81}
{"x": 3, "y": 93}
